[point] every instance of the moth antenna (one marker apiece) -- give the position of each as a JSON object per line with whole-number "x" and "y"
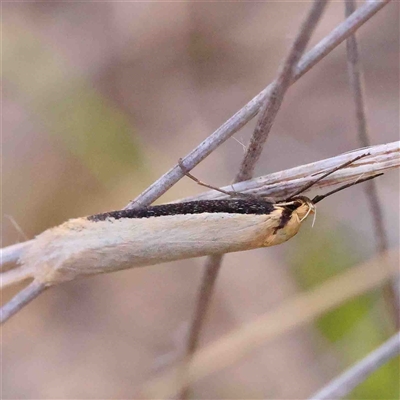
{"x": 318, "y": 198}
{"x": 308, "y": 185}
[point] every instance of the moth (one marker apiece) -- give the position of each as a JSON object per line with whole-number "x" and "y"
{"x": 124, "y": 239}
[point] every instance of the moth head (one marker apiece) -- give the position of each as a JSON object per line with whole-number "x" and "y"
{"x": 302, "y": 206}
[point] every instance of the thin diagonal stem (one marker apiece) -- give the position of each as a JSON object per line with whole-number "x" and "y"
{"x": 267, "y": 116}
{"x": 278, "y": 90}
{"x": 381, "y": 158}
{"x": 282, "y": 184}
{"x": 245, "y": 114}
{"x": 324, "y": 47}
{"x": 345, "y": 383}
{"x": 250, "y": 110}
{"x": 293, "y": 313}
{"x": 24, "y": 297}
{"x": 11, "y": 253}
{"x": 357, "y": 84}
{"x": 211, "y": 270}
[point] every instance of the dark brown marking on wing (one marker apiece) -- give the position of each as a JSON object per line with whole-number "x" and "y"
{"x": 288, "y": 211}
{"x": 232, "y": 206}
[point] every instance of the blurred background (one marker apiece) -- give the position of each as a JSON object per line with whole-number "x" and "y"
{"x": 99, "y": 100}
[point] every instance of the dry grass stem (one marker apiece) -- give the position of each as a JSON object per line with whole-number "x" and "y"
{"x": 305, "y": 307}
{"x": 383, "y": 157}
{"x": 345, "y": 383}
{"x": 290, "y": 315}
{"x": 267, "y": 114}
{"x": 324, "y": 47}
{"x": 357, "y": 85}
{"x": 278, "y": 89}
{"x": 244, "y": 115}
{"x": 212, "y": 267}
{"x": 14, "y": 276}
{"x": 282, "y": 184}
{"x": 11, "y": 253}
{"x": 24, "y": 297}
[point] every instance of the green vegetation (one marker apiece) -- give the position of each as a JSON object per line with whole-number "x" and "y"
{"x": 360, "y": 325}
